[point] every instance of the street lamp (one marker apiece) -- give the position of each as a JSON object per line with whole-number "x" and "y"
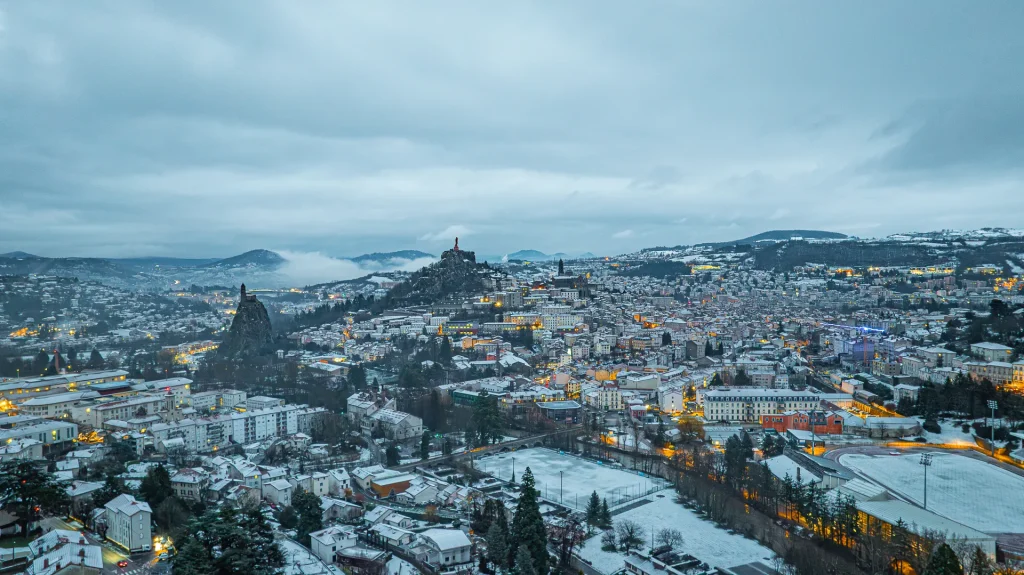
{"x": 992, "y": 430}
{"x": 559, "y": 486}
{"x": 926, "y": 462}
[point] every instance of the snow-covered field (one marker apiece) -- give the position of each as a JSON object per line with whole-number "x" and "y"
{"x": 701, "y": 538}
{"x": 580, "y": 477}
{"x": 960, "y": 488}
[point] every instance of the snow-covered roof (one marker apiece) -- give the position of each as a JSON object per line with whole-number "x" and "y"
{"x": 82, "y": 487}
{"x": 446, "y": 539}
{"x": 280, "y": 484}
{"x": 862, "y": 490}
{"x": 917, "y": 519}
{"x": 127, "y": 505}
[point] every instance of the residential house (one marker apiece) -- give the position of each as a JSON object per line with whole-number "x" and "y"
{"x": 279, "y": 492}
{"x": 326, "y": 542}
{"x": 190, "y": 484}
{"x": 447, "y": 547}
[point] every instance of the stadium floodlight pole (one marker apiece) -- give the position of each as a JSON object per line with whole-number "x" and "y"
{"x": 992, "y": 430}
{"x": 926, "y": 462}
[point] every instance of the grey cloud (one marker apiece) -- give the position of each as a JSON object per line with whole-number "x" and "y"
{"x": 982, "y": 134}
{"x": 191, "y": 128}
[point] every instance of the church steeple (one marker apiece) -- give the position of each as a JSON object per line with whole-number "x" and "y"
{"x": 243, "y": 292}
{"x": 561, "y": 267}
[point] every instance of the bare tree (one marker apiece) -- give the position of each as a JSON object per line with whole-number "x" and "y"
{"x": 669, "y": 537}
{"x": 608, "y": 540}
{"x": 631, "y": 534}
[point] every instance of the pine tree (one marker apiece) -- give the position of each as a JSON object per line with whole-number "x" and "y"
{"x": 526, "y": 563}
{"x": 594, "y": 510}
{"x": 28, "y": 492}
{"x": 357, "y": 377}
{"x": 425, "y": 445}
{"x": 310, "y": 516}
{"x": 497, "y": 545}
{"x": 193, "y": 559}
{"x": 666, "y": 338}
{"x": 444, "y": 355}
{"x": 112, "y": 487}
{"x": 266, "y": 554}
{"x": 155, "y": 486}
{"x": 606, "y": 515}
{"x": 95, "y": 359}
{"x": 41, "y": 361}
{"x": 944, "y": 562}
{"x": 392, "y": 455}
{"x": 528, "y": 530}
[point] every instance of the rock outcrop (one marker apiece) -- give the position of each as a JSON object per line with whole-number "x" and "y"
{"x": 457, "y": 273}
{"x": 250, "y": 332}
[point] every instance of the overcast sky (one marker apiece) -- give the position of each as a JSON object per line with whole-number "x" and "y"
{"x": 209, "y": 128}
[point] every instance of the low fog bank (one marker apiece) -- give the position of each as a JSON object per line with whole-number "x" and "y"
{"x": 307, "y": 268}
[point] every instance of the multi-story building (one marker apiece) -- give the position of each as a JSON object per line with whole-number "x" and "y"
{"x": 992, "y": 351}
{"x": 57, "y": 405}
{"x": 998, "y": 372}
{"x": 95, "y": 413}
{"x": 609, "y": 397}
{"x": 190, "y": 484}
{"x": 395, "y": 425}
{"x": 739, "y": 405}
{"x": 820, "y": 422}
{"x": 54, "y": 435}
{"x": 936, "y": 356}
{"x": 207, "y": 434}
{"x": 262, "y": 402}
{"x": 128, "y": 523}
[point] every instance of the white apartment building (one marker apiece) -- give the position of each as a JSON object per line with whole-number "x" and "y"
{"x": 128, "y": 523}
{"x": 47, "y": 432}
{"x": 94, "y": 413}
{"x": 208, "y": 434}
{"x": 671, "y": 397}
{"x": 609, "y": 397}
{"x": 56, "y": 405}
{"x": 998, "y": 372}
{"x": 747, "y": 405}
{"x": 262, "y": 402}
{"x": 992, "y": 351}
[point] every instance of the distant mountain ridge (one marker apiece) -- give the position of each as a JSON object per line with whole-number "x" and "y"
{"x": 534, "y": 255}
{"x": 781, "y": 236}
{"x": 389, "y": 256}
{"x": 250, "y": 258}
{"x": 259, "y": 268}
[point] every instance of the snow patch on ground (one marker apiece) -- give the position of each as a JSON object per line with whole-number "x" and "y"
{"x": 701, "y": 538}
{"x": 977, "y": 494}
{"x": 951, "y": 434}
{"x": 579, "y": 477}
